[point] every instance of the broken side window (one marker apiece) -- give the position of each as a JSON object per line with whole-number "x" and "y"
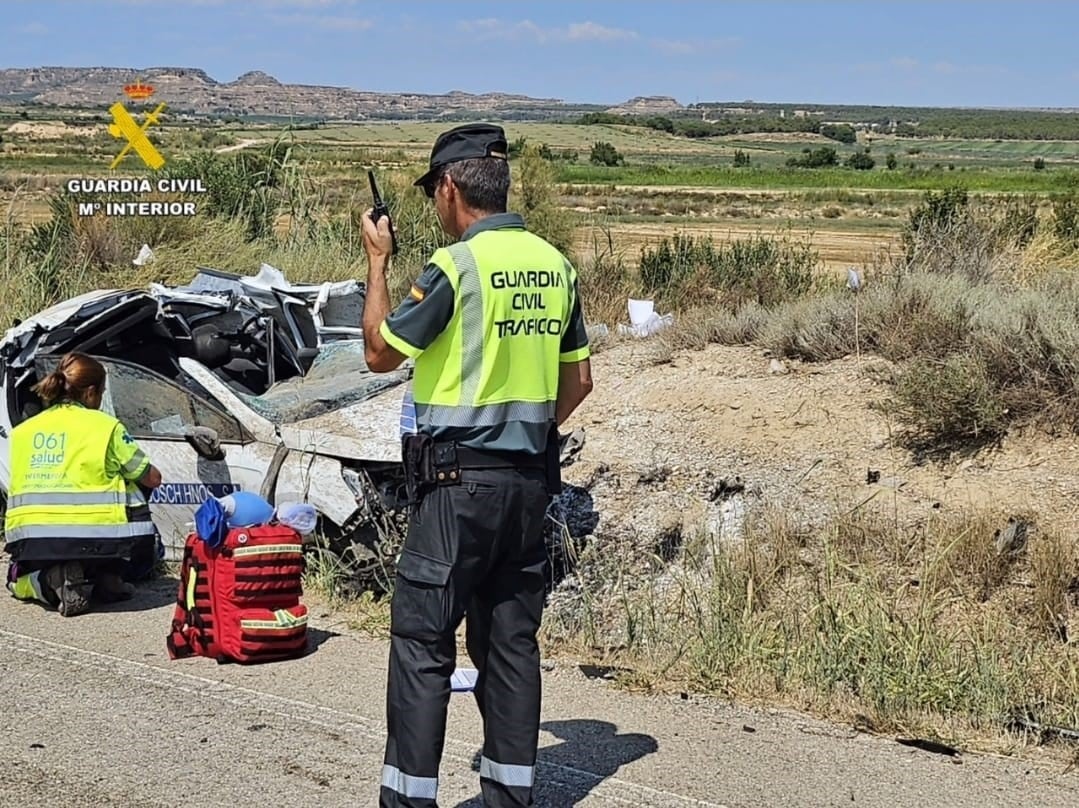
{"x": 151, "y": 406}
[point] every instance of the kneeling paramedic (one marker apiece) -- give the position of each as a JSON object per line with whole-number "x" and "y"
{"x": 494, "y": 325}
{"x": 76, "y": 517}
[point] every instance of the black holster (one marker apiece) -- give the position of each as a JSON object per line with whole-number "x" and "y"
{"x": 428, "y": 463}
{"x": 415, "y": 456}
{"x": 553, "y": 464}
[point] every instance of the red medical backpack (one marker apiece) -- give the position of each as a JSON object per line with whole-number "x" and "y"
{"x": 240, "y": 601}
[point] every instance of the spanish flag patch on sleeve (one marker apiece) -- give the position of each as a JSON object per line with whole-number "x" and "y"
{"x": 416, "y": 292}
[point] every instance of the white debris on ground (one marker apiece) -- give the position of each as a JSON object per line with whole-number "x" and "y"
{"x": 644, "y": 320}
{"x": 145, "y": 256}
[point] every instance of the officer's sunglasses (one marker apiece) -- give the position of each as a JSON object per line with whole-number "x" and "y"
{"x": 431, "y": 185}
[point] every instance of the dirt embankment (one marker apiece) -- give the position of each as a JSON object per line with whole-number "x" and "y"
{"x": 664, "y": 434}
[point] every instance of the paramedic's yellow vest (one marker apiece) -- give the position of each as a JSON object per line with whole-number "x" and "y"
{"x": 490, "y": 379}
{"x": 59, "y": 491}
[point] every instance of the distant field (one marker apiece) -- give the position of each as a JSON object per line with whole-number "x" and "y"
{"x": 838, "y": 248}
{"x": 420, "y": 136}
{"x": 667, "y": 183}
{"x": 639, "y": 140}
{"x": 652, "y": 158}
{"x": 990, "y": 180}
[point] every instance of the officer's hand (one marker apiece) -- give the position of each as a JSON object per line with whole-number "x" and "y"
{"x": 377, "y": 242}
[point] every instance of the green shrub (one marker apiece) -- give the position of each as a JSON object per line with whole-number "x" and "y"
{"x": 247, "y": 184}
{"x": 1017, "y": 224}
{"x": 605, "y": 154}
{"x": 948, "y": 234}
{"x": 938, "y": 209}
{"x": 919, "y": 316}
{"x": 765, "y": 269}
{"x": 842, "y": 132}
{"x": 949, "y": 403}
{"x": 517, "y": 146}
{"x": 815, "y": 329}
{"x": 815, "y": 158}
{"x": 861, "y": 161}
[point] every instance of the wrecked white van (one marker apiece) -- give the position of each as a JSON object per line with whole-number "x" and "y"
{"x": 233, "y": 383}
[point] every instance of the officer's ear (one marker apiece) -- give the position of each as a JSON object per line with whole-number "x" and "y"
{"x": 450, "y": 186}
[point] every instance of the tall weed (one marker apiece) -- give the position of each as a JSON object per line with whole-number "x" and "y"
{"x": 766, "y": 269}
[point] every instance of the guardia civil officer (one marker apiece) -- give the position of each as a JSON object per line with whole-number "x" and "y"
{"x": 76, "y": 518}
{"x": 494, "y": 325}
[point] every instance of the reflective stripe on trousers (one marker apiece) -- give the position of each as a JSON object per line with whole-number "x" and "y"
{"x": 507, "y": 774}
{"x": 423, "y": 788}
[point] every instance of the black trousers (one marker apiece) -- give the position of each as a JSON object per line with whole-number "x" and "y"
{"x": 474, "y": 547}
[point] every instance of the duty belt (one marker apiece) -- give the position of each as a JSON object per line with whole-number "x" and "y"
{"x": 428, "y": 462}
{"x": 469, "y": 458}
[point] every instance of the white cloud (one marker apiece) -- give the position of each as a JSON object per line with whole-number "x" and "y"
{"x": 905, "y": 63}
{"x": 33, "y": 28}
{"x": 323, "y": 22}
{"x": 584, "y": 31}
{"x": 493, "y": 28}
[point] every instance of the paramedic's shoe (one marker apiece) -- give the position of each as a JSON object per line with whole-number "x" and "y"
{"x": 72, "y": 589}
{"x": 110, "y": 587}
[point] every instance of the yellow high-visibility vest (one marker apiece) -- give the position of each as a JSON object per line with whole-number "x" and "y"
{"x": 493, "y": 371}
{"x": 59, "y": 489}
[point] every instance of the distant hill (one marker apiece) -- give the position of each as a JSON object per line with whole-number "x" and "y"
{"x": 648, "y": 105}
{"x": 193, "y": 91}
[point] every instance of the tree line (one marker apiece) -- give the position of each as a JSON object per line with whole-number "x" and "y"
{"x": 842, "y": 123}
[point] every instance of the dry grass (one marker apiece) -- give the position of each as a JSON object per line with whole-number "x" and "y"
{"x": 911, "y": 627}
{"x": 1054, "y": 570}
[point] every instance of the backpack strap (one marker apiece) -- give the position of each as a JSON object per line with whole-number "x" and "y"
{"x": 191, "y": 632}
{"x": 177, "y": 641}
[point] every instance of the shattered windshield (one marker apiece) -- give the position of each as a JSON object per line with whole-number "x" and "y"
{"x": 338, "y": 378}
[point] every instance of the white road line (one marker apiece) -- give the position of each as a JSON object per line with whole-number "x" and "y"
{"x": 250, "y": 698}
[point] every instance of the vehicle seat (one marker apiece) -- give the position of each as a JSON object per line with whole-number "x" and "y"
{"x": 31, "y": 408}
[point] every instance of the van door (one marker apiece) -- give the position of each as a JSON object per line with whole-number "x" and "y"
{"x": 156, "y": 411}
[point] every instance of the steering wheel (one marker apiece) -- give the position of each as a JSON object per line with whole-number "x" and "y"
{"x": 242, "y": 336}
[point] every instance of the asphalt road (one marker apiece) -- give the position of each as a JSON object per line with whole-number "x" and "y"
{"x": 95, "y": 714}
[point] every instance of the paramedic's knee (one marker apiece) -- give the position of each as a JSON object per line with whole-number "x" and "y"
{"x": 144, "y": 559}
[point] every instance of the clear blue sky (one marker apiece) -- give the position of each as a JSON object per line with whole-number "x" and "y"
{"x": 913, "y": 53}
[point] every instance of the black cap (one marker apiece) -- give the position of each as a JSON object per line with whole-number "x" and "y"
{"x": 466, "y": 142}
